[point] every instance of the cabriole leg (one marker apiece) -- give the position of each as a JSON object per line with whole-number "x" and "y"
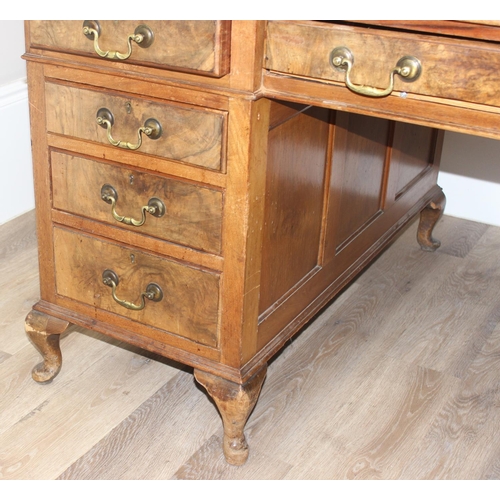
{"x": 428, "y": 220}
{"x": 235, "y": 403}
{"x": 45, "y": 331}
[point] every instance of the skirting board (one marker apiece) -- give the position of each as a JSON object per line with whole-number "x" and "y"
{"x": 16, "y": 186}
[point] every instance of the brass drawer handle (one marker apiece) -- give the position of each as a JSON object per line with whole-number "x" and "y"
{"x": 151, "y": 128}
{"x": 408, "y": 68}
{"x": 143, "y": 36}
{"x": 155, "y": 207}
{"x": 153, "y": 291}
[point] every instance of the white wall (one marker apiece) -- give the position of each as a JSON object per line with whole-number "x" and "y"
{"x": 470, "y": 166}
{"x": 470, "y": 177}
{"x": 16, "y": 184}
{"x": 13, "y": 67}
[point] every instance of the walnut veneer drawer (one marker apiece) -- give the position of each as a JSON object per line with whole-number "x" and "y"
{"x": 190, "y": 297}
{"x": 450, "y": 68}
{"x": 188, "y": 134}
{"x": 185, "y": 213}
{"x": 192, "y": 46}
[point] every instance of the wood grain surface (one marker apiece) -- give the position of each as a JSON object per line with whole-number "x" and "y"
{"x": 200, "y": 46}
{"x": 190, "y": 304}
{"x": 303, "y": 49}
{"x": 395, "y": 379}
{"x": 193, "y": 214}
{"x": 191, "y": 135}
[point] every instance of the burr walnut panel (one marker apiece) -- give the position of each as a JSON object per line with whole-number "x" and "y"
{"x": 451, "y": 68}
{"x": 191, "y": 135}
{"x": 193, "y": 46}
{"x": 190, "y": 304}
{"x": 193, "y": 215}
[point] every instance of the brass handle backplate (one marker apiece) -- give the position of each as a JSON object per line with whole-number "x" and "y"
{"x": 408, "y": 68}
{"x": 155, "y": 207}
{"x": 143, "y": 36}
{"x": 153, "y": 291}
{"x": 151, "y": 128}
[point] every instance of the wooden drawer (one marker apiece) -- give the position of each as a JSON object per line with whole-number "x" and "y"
{"x": 193, "y": 214}
{"x": 192, "y": 46}
{"x": 451, "y": 68}
{"x": 188, "y": 134}
{"x": 190, "y": 303}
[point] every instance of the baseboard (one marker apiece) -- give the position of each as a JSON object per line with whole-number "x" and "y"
{"x": 472, "y": 199}
{"x": 16, "y": 186}
{"x": 13, "y": 92}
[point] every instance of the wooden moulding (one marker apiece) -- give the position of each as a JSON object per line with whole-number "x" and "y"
{"x": 444, "y": 114}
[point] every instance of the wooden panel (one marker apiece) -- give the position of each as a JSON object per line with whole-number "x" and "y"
{"x": 357, "y": 182}
{"x": 191, "y": 135}
{"x": 297, "y": 154}
{"x": 189, "y": 307}
{"x": 412, "y": 154}
{"x": 358, "y": 223}
{"x": 193, "y": 213}
{"x": 201, "y": 46}
{"x": 452, "y": 69}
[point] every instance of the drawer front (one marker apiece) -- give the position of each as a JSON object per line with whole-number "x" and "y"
{"x": 192, "y": 46}
{"x": 190, "y": 302}
{"x": 190, "y": 135}
{"x": 450, "y": 69}
{"x": 192, "y": 214}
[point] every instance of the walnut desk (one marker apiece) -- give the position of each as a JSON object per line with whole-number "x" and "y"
{"x": 203, "y": 188}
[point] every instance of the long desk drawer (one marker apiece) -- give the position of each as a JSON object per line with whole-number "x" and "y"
{"x": 192, "y": 46}
{"x": 182, "y": 133}
{"x": 450, "y": 68}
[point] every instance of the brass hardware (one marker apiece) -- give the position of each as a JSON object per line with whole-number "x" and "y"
{"x": 155, "y": 207}
{"x": 143, "y": 36}
{"x": 408, "y": 68}
{"x": 151, "y": 128}
{"x": 153, "y": 291}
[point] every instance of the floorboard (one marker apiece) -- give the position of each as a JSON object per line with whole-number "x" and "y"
{"x": 398, "y": 378}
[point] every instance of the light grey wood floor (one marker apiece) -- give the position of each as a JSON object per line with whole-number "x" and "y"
{"x": 397, "y": 379}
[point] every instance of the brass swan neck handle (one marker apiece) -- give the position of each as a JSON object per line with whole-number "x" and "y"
{"x": 143, "y": 36}
{"x": 153, "y": 292}
{"x": 155, "y": 207}
{"x": 408, "y": 68}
